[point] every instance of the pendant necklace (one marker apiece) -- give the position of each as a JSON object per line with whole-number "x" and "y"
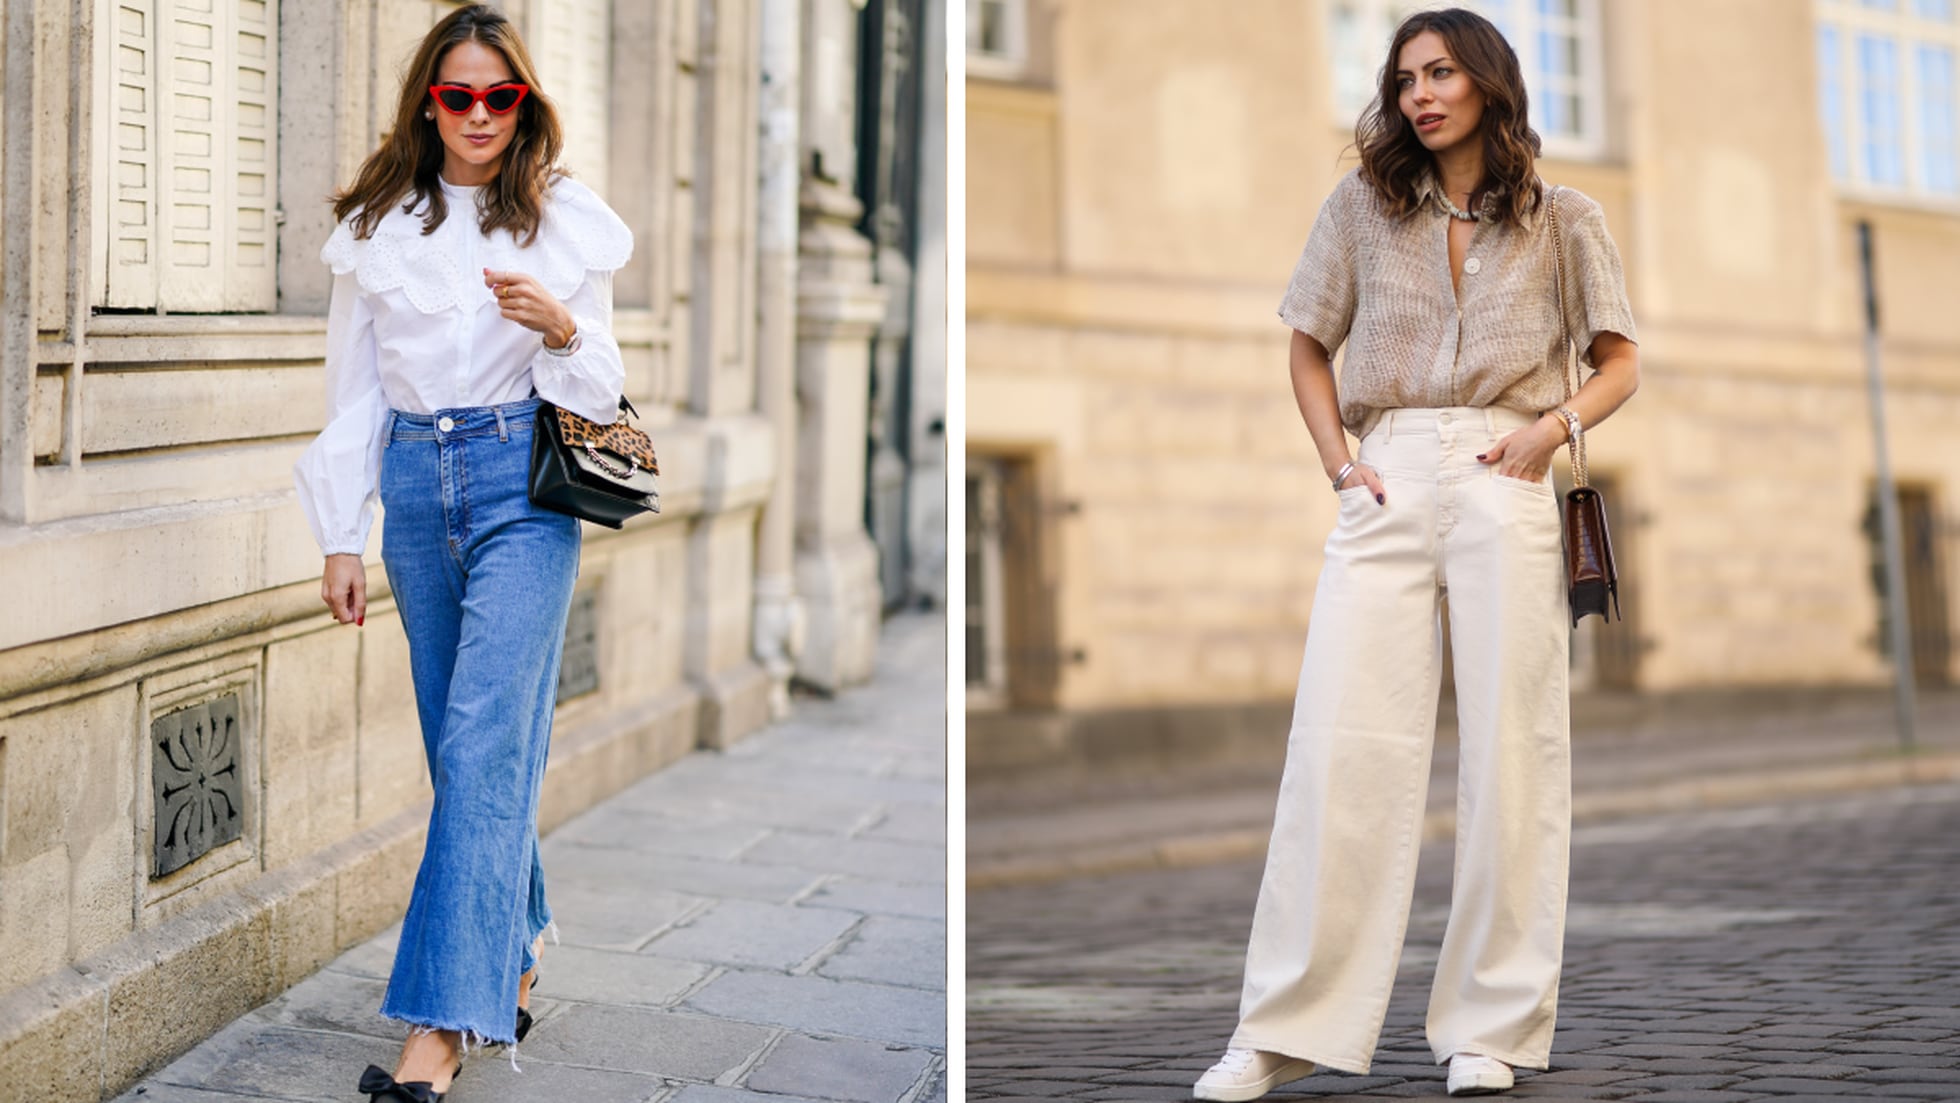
{"x": 1455, "y": 211}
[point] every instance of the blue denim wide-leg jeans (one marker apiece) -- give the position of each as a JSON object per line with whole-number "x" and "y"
{"x": 482, "y": 579}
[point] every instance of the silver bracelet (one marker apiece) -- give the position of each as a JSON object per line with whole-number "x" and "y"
{"x": 571, "y": 346}
{"x": 1346, "y": 470}
{"x": 1573, "y": 429}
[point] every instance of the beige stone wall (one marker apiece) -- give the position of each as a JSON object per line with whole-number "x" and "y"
{"x": 1132, "y": 220}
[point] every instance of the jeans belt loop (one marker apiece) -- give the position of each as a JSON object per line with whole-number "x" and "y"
{"x": 503, "y": 433}
{"x": 388, "y": 434}
{"x": 1388, "y": 426}
{"x": 1490, "y": 421}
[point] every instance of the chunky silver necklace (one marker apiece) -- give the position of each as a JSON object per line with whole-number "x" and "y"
{"x": 1455, "y": 211}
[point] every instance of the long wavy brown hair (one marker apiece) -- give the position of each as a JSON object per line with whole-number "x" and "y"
{"x": 410, "y": 158}
{"x": 1394, "y": 160}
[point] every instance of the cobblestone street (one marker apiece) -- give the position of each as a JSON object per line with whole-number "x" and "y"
{"x": 1804, "y": 950}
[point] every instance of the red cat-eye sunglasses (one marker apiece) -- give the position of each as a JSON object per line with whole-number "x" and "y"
{"x": 501, "y": 99}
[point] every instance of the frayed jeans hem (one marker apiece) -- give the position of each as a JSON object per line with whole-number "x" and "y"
{"x": 472, "y": 1039}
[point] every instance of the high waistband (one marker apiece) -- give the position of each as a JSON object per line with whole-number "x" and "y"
{"x": 1431, "y": 420}
{"x": 453, "y": 422}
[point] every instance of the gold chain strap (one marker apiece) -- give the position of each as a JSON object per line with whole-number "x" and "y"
{"x": 1576, "y": 445}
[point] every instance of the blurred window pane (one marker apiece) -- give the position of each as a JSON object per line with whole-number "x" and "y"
{"x": 1878, "y": 106}
{"x": 1830, "y": 97}
{"x": 1938, "y": 140}
{"x": 1889, "y": 96}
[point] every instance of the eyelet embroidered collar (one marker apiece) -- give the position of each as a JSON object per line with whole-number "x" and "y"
{"x": 579, "y": 233}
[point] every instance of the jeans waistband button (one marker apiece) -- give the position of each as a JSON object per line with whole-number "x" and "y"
{"x": 446, "y": 425}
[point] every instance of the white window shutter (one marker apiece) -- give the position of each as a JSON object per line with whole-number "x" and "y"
{"x": 252, "y": 283}
{"x": 130, "y": 195}
{"x": 193, "y": 187}
{"x": 571, "y": 45}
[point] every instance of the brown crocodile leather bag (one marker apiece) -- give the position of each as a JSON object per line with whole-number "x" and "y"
{"x": 598, "y": 473}
{"x": 1590, "y": 575}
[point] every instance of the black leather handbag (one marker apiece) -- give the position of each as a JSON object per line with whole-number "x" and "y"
{"x": 598, "y": 473}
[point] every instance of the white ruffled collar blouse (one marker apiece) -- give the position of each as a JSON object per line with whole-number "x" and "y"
{"x": 412, "y": 326}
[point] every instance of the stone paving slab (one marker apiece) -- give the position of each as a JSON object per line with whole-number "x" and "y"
{"x": 1804, "y": 933}
{"x": 763, "y": 924}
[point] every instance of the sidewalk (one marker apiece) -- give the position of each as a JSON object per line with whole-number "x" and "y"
{"x": 1627, "y": 761}
{"x": 768, "y": 923}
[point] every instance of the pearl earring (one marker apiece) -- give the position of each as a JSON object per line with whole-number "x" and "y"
{"x": 428, "y": 114}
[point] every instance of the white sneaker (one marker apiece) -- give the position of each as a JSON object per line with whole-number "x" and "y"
{"x": 1248, "y": 1074}
{"x": 1475, "y": 1074}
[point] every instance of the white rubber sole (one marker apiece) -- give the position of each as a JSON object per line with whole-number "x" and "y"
{"x": 1239, "y": 1093}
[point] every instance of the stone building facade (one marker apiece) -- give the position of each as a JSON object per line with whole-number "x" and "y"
{"x": 1144, "y": 509}
{"x": 208, "y": 789}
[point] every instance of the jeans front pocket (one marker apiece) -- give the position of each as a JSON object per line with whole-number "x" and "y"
{"x": 1541, "y": 487}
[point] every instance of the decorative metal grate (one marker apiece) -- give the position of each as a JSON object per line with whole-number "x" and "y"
{"x": 199, "y": 793}
{"x": 578, "y": 670}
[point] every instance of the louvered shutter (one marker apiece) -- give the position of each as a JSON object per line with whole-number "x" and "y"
{"x": 193, "y": 182}
{"x": 571, "y": 45}
{"x": 131, "y": 191}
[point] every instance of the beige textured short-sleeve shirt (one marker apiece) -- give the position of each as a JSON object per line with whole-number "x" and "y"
{"x": 1381, "y": 286}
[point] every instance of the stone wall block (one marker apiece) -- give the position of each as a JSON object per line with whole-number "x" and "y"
{"x": 644, "y": 616}
{"x": 1127, "y": 357}
{"x": 55, "y": 244}
{"x": 372, "y": 891}
{"x": 734, "y": 703}
{"x": 599, "y": 762}
{"x": 307, "y": 738}
{"x": 1011, "y": 348}
{"x": 99, "y": 891}
{"x": 671, "y": 734}
{"x": 51, "y": 1039}
{"x": 392, "y": 770}
{"x": 181, "y": 983}
{"x": 839, "y": 585}
{"x": 303, "y": 923}
{"x": 34, "y": 910}
{"x": 70, "y": 795}
{"x": 721, "y": 574}
{"x": 69, "y": 772}
{"x": 124, "y": 410}
{"x": 208, "y": 557}
{"x": 1012, "y": 219}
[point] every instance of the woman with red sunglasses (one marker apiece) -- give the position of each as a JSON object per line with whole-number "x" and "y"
{"x": 472, "y": 280}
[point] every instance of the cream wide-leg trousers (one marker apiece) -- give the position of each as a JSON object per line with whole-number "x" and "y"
{"x": 1340, "y": 873}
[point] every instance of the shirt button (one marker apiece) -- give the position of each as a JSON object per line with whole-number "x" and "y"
{"x": 1445, "y": 419}
{"x": 1473, "y": 265}
{"x": 446, "y": 425}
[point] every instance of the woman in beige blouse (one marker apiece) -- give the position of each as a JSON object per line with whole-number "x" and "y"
{"x": 1433, "y": 264}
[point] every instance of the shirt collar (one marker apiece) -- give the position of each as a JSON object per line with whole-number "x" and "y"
{"x": 1429, "y": 190}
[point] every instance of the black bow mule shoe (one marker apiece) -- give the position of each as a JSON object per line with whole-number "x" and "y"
{"x": 383, "y": 1088}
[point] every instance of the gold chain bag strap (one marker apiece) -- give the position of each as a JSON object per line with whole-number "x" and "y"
{"x": 1590, "y": 575}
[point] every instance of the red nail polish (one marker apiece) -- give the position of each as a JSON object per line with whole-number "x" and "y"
{"x": 360, "y": 620}
{"x": 1481, "y": 456}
